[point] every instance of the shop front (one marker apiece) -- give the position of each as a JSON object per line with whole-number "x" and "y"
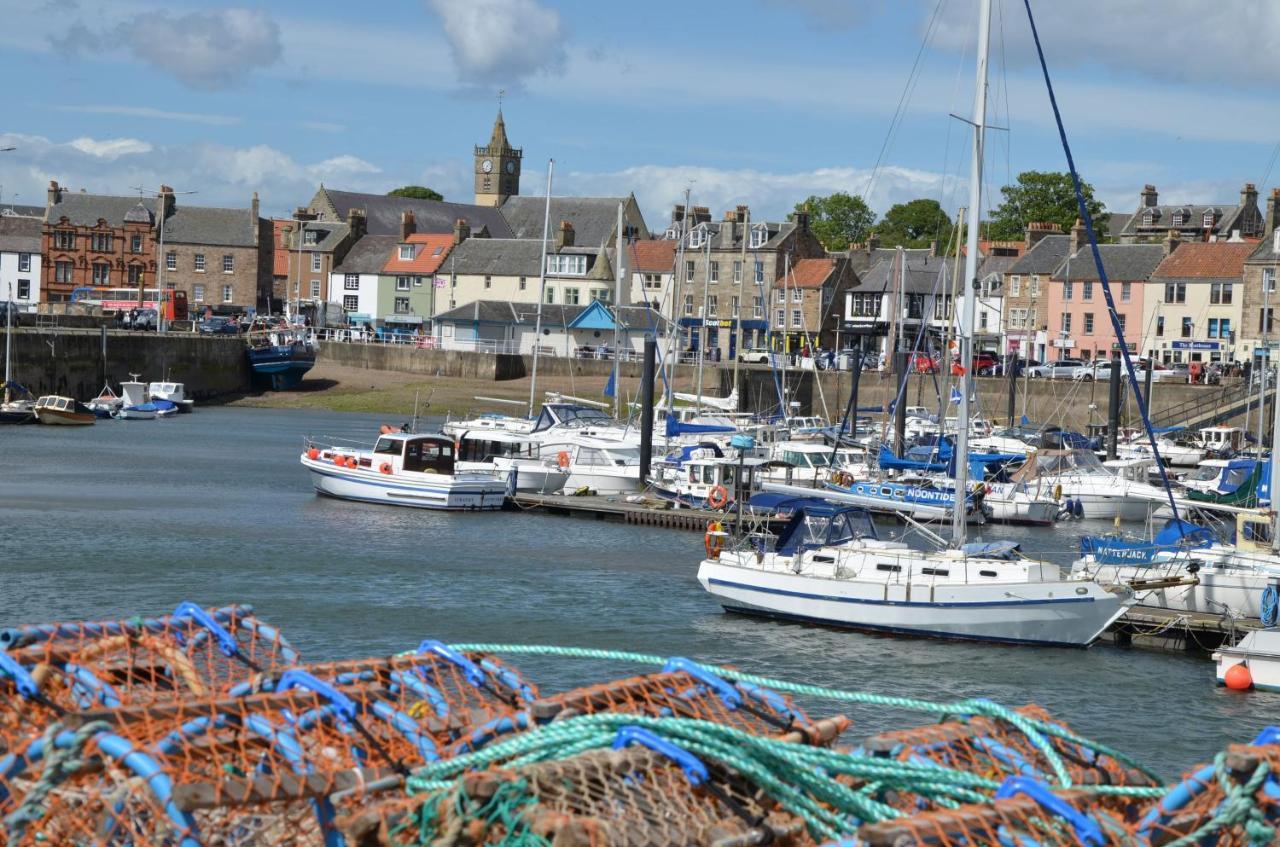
{"x": 725, "y": 337}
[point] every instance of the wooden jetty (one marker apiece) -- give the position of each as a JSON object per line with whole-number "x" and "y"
{"x": 1190, "y": 632}
{"x": 616, "y": 507}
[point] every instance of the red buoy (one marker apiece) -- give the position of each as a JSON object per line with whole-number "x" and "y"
{"x": 312, "y": 454}
{"x": 1238, "y": 678}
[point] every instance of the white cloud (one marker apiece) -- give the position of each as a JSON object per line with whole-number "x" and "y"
{"x": 1180, "y": 41}
{"x": 345, "y": 164}
{"x": 110, "y": 149}
{"x": 769, "y": 194}
{"x": 501, "y": 42}
{"x": 157, "y": 114}
{"x": 204, "y": 50}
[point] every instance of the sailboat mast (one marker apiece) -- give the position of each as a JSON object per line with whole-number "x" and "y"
{"x": 542, "y": 287}
{"x": 8, "y": 343}
{"x": 617, "y": 318}
{"x": 969, "y": 311}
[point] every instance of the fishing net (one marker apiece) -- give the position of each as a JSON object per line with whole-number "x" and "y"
{"x": 55, "y": 669}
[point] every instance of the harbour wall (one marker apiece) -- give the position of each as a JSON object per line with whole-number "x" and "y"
{"x": 76, "y": 362}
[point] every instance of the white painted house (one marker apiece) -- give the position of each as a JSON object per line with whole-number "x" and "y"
{"x": 20, "y": 266}
{"x": 353, "y": 284}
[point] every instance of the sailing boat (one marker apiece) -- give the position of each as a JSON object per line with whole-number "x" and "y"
{"x": 18, "y": 406}
{"x": 828, "y": 566}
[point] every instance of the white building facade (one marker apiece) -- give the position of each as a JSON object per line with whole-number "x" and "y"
{"x": 20, "y": 264}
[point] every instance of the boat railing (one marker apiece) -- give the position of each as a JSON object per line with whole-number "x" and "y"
{"x": 322, "y": 441}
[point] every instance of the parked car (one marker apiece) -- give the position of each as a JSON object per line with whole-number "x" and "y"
{"x": 1061, "y": 369}
{"x": 140, "y": 319}
{"x": 923, "y": 363}
{"x": 218, "y": 326}
{"x": 1001, "y": 368}
{"x": 981, "y": 362}
{"x": 755, "y": 356}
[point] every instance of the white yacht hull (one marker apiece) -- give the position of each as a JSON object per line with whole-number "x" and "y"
{"x": 1052, "y": 613}
{"x": 1217, "y": 590}
{"x": 1259, "y": 652}
{"x": 603, "y": 480}
{"x": 533, "y": 477}
{"x": 1108, "y": 506}
{"x": 418, "y": 490}
{"x": 1022, "y": 510}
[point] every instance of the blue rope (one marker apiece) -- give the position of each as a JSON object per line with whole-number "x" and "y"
{"x": 1097, "y": 259}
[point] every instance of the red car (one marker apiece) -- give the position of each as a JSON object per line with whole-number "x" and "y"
{"x": 922, "y": 363}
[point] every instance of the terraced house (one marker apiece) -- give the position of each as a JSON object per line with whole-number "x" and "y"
{"x": 217, "y": 257}
{"x": 1194, "y": 305}
{"x": 390, "y": 280}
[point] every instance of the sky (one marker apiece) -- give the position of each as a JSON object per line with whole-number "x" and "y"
{"x": 762, "y": 102}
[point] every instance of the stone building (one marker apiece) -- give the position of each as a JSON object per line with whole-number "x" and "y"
{"x": 1193, "y": 308}
{"x": 497, "y": 167}
{"x": 1152, "y": 221}
{"x": 216, "y": 257}
{"x": 1025, "y": 294}
{"x": 1260, "y": 300}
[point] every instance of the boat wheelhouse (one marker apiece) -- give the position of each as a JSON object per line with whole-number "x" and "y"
{"x": 503, "y": 451}
{"x": 63, "y": 411}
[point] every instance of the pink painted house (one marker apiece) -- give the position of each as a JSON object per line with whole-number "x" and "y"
{"x": 1078, "y": 325}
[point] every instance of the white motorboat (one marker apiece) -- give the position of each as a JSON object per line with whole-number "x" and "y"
{"x": 1010, "y": 502}
{"x": 828, "y": 566}
{"x": 135, "y": 404}
{"x": 1259, "y": 652}
{"x": 56, "y": 410}
{"x": 1116, "y": 489}
{"x": 602, "y": 465}
{"x": 402, "y": 469}
{"x": 503, "y": 452}
{"x": 174, "y": 392}
{"x": 107, "y": 403}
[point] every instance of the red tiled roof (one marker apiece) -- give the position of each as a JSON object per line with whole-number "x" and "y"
{"x": 430, "y": 251}
{"x": 810, "y": 273}
{"x": 653, "y": 256}
{"x": 280, "y": 250}
{"x": 1210, "y": 260}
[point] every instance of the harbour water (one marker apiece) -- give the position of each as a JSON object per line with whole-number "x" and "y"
{"x": 134, "y": 517}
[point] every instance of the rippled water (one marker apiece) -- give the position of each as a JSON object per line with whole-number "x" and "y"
{"x": 129, "y": 517}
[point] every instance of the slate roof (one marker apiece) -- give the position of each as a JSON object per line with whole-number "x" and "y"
{"x": 382, "y": 213}
{"x": 502, "y": 311}
{"x": 921, "y": 276}
{"x": 728, "y": 235}
{"x": 184, "y": 225}
{"x": 429, "y": 252}
{"x": 22, "y": 211}
{"x": 653, "y": 256}
{"x": 593, "y": 218}
{"x": 1044, "y": 257}
{"x": 1265, "y": 252}
{"x": 368, "y": 255}
{"x": 1117, "y": 222}
{"x": 1226, "y": 217}
{"x": 1124, "y": 262}
{"x": 996, "y": 265}
{"x": 20, "y": 234}
{"x": 863, "y": 260}
{"x": 328, "y": 235}
{"x": 1203, "y": 261}
{"x": 505, "y": 256}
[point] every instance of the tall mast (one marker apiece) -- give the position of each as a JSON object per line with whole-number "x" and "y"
{"x": 8, "y": 343}
{"x": 703, "y": 334}
{"x": 971, "y": 276}
{"x": 617, "y": 317}
{"x": 542, "y": 286}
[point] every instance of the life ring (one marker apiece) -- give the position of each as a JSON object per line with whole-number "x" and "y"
{"x": 713, "y": 541}
{"x": 340, "y": 460}
{"x": 562, "y": 458}
{"x": 385, "y": 467}
{"x": 718, "y": 498}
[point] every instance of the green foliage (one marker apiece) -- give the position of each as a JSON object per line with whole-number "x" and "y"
{"x": 915, "y": 224}
{"x": 416, "y": 192}
{"x": 1041, "y": 196}
{"x": 837, "y": 219}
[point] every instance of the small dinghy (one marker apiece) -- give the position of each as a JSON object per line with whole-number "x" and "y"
{"x": 1258, "y": 657}
{"x": 53, "y": 409}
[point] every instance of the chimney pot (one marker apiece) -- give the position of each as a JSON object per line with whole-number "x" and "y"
{"x": 1149, "y": 196}
{"x": 1171, "y": 242}
{"x": 408, "y": 225}
{"x": 461, "y": 231}
{"x": 564, "y": 236}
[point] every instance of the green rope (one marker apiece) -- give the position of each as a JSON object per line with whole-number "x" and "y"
{"x": 1037, "y": 732}
{"x": 58, "y": 764}
{"x": 1239, "y": 806}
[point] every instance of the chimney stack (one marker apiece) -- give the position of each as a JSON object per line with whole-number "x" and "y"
{"x": 357, "y": 221}
{"x": 743, "y": 213}
{"x": 1149, "y": 196}
{"x": 55, "y": 193}
{"x": 701, "y": 215}
{"x": 1269, "y": 223}
{"x": 677, "y": 213}
{"x": 164, "y": 206}
{"x": 408, "y": 226}
{"x": 1036, "y": 230}
{"x": 461, "y": 231}
{"x": 1249, "y": 195}
{"x": 1171, "y": 242}
{"x": 1078, "y": 236}
{"x": 564, "y": 236}
{"x": 254, "y": 208}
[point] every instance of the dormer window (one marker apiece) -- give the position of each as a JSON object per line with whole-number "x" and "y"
{"x": 1149, "y": 217}
{"x": 567, "y": 265}
{"x": 406, "y": 252}
{"x": 759, "y": 235}
{"x": 1210, "y": 216}
{"x": 1180, "y": 217}
{"x": 310, "y": 236}
{"x": 698, "y": 236}
{"x": 672, "y": 233}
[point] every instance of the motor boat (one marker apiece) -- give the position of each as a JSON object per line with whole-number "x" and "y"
{"x": 828, "y": 566}
{"x": 402, "y": 469}
{"x": 107, "y": 403}
{"x": 1094, "y": 490}
{"x": 279, "y": 357}
{"x": 504, "y": 452}
{"x": 173, "y": 392}
{"x": 135, "y": 404}
{"x": 53, "y": 409}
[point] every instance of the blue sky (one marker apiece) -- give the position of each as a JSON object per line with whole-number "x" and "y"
{"x": 743, "y": 101}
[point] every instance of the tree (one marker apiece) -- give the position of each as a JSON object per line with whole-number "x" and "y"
{"x": 1041, "y": 196}
{"x": 914, "y": 224}
{"x": 837, "y": 219}
{"x": 416, "y": 192}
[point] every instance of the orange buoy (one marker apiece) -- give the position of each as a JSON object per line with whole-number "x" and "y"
{"x": 312, "y": 454}
{"x": 718, "y": 498}
{"x": 339, "y": 460}
{"x": 562, "y": 458}
{"x": 386, "y": 467}
{"x": 1238, "y": 678}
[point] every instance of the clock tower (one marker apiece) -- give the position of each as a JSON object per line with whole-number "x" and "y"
{"x": 497, "y": 167}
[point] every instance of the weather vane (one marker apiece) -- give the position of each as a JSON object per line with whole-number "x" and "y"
{"x": 501, "y": 91}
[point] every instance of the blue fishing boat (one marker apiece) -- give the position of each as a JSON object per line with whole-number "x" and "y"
{"x": 279, "y": 358}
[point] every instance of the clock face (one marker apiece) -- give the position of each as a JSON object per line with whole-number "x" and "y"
{"x": 486, "y": 165}
{"x": 511, "y": 167}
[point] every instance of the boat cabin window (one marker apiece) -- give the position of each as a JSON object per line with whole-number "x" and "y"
{"x": 424, "y": 455}
{"x": 988, "y": 573}
{"x": 1205, "y": 473}
{"x": 890, "y": 568}
{"x": 935, "y": 571}
{"x": 388, "y": 446}
{"x": 566, "y": 415}
{"x": 1235, "y": 477}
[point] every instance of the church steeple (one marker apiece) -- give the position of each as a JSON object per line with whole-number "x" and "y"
{"x": 497, "y": 166}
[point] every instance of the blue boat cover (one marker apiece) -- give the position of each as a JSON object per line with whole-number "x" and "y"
{"x": 777, "y": 503}
{"x": 742, "y": 442}
{"x": 991, "y": 549}
{"x": 888, "y": 461}
{"x": 1174, "y": 536}
{"x": 675, "y": 428}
